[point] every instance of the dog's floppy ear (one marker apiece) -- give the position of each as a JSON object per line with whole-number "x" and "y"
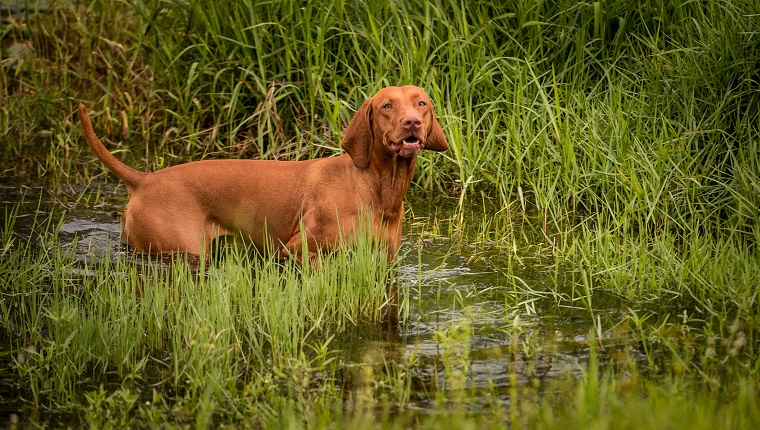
{"x": 358, "y": 139}
{"x": 436, "y": 141}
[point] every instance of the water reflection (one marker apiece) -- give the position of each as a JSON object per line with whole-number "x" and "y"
{"x": 520, "y": 327}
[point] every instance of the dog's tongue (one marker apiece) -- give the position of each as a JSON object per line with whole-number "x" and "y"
{"x": 409, "y": 149}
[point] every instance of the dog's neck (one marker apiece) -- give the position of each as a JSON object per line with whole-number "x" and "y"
{"x": 393, "y": 175}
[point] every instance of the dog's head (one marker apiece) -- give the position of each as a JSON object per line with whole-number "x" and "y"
{"x": 399, "y": 120}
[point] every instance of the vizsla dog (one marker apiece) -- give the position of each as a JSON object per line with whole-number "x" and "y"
{"x": 266, "y": 202}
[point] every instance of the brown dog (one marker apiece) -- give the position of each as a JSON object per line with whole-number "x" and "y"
{"x": 183, "y": 208}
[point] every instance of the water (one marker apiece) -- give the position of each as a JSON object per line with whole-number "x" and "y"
{"x": 517, "y": 306}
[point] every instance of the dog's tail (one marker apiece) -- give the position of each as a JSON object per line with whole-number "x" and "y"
{"x": 128, "y": 175}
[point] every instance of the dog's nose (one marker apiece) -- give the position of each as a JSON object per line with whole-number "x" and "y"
{"x": 411, "y": 122}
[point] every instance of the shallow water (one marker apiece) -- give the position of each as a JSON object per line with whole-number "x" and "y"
{"x": 512, "y": 298}
{"x": 523, "y": 326}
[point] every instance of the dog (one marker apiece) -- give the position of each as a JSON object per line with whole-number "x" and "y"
{"x": 276, "y": 205}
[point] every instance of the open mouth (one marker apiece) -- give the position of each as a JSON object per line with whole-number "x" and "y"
{"x": 408, "y": 147}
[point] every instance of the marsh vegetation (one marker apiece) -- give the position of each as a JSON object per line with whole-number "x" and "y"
{"x": 584, "y": 255}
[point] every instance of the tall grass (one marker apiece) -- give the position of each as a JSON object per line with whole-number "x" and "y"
{"x": 124, "y": 342}
{"x": 647, "y": 111}
{"x": 197, "y": 332}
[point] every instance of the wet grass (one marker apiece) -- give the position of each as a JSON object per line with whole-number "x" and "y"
{"x": 203, "y": 336}
{"x": 487, "y": 336}
{"x": 604, "y": 175}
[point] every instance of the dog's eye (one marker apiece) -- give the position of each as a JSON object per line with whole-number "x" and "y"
{"x": 421, "y": 103}
{"x": 387, "y": 106}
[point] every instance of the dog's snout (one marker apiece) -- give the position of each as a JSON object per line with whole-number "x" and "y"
{"x": 411, "y": 122}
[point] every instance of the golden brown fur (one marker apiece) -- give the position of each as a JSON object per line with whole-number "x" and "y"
{"x": 183, "y": 208}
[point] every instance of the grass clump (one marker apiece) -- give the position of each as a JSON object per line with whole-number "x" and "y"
{"x": 204, "y": 337}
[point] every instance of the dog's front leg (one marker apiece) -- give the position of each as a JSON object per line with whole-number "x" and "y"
{"x": 294, "y": 248}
